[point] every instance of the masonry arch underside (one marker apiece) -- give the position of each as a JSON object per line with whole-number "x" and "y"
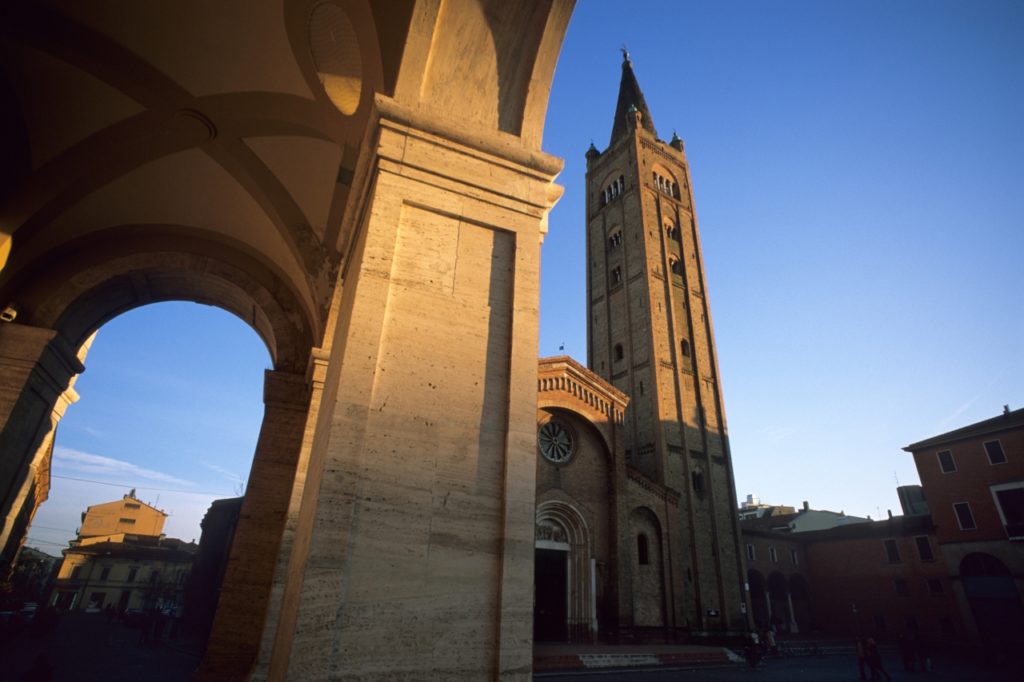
{"x": 76, "y": 289}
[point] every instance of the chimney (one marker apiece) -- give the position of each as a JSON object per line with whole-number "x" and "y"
{"x": 1006, "y": 409}
{"x": 807, "y": 507}
{"x": 890, "y": 514}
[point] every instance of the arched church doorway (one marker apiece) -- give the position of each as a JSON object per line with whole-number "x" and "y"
{"x": 564, "y": 599}
{"x": 551, "y": 594}
{"x": 994, "y": 599}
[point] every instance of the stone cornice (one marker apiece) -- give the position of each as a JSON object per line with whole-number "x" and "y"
{"x": 563, "y": 374}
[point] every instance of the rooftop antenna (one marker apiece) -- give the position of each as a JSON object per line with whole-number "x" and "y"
{"x": 625, "y": 52}
{"x": 894, "y": 475}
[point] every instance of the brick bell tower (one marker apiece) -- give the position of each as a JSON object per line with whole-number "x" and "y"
{"x": 649, "y": 333}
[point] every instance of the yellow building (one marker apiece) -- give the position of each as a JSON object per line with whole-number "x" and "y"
{"x": 122, "y": 559}
{"x": 113, "y": 520}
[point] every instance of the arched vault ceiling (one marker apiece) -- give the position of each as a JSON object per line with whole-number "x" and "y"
{"x": 197, "y": 113}
{"x": 185, "y": 188}
{"x": 290, "y": 158}
{"x": 209, "y": 114}
{"x": 245, "y": 40}
{"x": 53, "y": 125}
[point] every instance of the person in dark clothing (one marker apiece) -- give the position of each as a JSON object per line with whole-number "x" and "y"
{"x": 861, "y": 658}
{"x": 874, "y": 659}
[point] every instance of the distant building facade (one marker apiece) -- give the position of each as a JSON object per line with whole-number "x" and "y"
{"x": 33, "y": 576}
{"x": 883, "y": 578}
{"x": 778, "y": 580}
{"x": 973, "y": 478}
{"x": 122, "y": 560}
{"x": 753, "y": 508}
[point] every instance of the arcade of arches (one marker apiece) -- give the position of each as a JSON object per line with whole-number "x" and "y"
{"x": 307, "y": 174}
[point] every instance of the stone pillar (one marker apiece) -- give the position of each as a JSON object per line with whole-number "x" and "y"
{"x": 245, "y": 591}
{"x": 793, "y": 627}
{"x": 413, "y": 552}
{"x": 37, "y": 369}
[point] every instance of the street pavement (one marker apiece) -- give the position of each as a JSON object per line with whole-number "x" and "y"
{"x": 802, "y": 669}
{"x": 86, "y": 647}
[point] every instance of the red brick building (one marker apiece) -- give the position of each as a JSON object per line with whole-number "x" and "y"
{"x": 883, "y": 578}
{"x": 973, "y": 479}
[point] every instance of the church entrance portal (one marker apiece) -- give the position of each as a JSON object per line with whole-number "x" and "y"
{"x": 550, "y": 600}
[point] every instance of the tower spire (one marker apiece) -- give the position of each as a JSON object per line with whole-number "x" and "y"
{"x": 630, "y": 99}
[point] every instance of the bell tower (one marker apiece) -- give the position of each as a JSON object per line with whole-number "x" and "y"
{"x": 649, "y": 334}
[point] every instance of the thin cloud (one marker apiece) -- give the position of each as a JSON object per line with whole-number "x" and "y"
{"x": 970, "y": 403}
{"x": 230, "y": 475}
{"x": 85, "y": 463}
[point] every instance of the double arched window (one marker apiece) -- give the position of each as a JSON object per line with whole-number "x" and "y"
{"x": 613, "y": 191}
{"x": 666, "y": 185}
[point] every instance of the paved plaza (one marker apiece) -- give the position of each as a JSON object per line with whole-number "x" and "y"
{"x": 86, "y": 647}
{"x": 803, "y": 669}
{"x": 89, "y": 648}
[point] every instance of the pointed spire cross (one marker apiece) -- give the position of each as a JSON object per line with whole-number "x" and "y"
{"x": 630, "y": 99}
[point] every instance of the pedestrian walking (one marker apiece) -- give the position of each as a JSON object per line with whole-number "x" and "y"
{"x": 753, "y": 650}
{"x": 861, "y": 658}
{"x": 874, "y": 658}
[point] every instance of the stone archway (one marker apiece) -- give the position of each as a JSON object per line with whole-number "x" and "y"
{"x": 47, "y": 358}
{"x": 562, "y": 551}
{"x": 778, "y": 598}
{"x": 994, "y": 600}
{"x": 392, "y": 223}
{"x": 800, "y": 598}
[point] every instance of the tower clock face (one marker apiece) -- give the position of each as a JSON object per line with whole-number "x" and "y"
{"x": 556, "y": 442}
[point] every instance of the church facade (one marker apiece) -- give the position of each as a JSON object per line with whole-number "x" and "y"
{"x": 641, "y": 471}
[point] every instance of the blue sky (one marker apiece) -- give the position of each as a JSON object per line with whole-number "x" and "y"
{"x": 859, "y": 189}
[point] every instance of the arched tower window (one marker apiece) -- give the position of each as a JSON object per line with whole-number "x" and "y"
{"x": 684, "y": 348}
{"x": 619, "y": 354}
{"x": 642, "y": 554}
